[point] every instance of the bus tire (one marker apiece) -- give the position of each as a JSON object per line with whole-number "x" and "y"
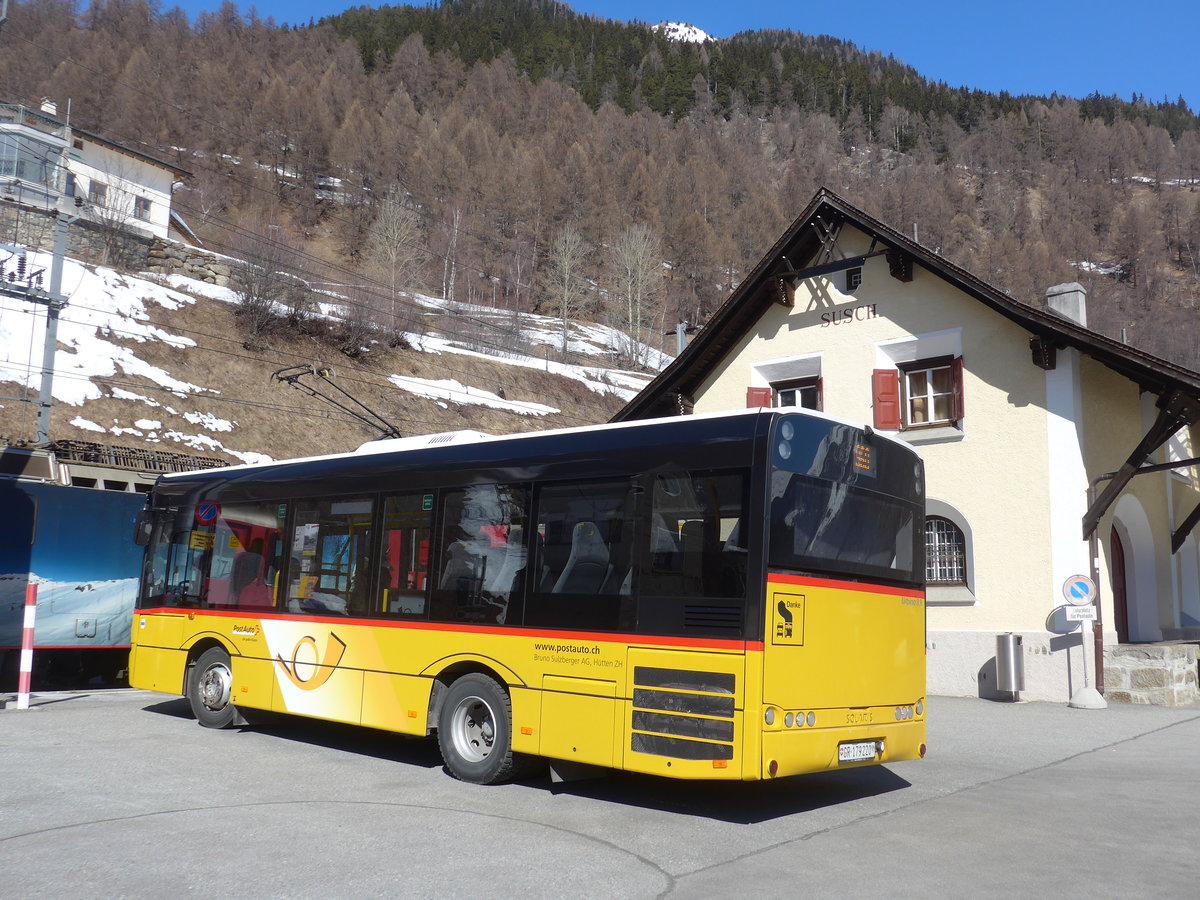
{"x": 475, "y": 731}
{"x": 210, "y": 689}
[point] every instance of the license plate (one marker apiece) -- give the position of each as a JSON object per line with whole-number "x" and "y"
{"x": 856, "y": 751}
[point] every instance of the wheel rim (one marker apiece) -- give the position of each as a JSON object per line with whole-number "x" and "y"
{"x": 214, "y": 687}
{"x": 473, "y": 729}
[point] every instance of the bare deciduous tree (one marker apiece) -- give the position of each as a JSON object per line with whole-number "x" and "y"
{"x": 261, "y": 281}
{"x": 635, "y": 281}
{"x": 566, "y": 289}
{"x": 397, "y": 245}
{"x": 358, "y": 318}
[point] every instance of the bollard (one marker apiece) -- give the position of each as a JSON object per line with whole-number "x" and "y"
{"x": 27, "y": 647}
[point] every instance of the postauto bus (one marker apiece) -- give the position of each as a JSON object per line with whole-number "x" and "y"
{"x": 731, "y": 596}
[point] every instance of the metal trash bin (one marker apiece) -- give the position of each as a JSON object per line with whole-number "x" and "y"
{"x": 1010, "y": 663}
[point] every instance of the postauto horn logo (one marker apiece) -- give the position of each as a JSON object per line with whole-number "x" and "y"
{"x": 303, "y": 670}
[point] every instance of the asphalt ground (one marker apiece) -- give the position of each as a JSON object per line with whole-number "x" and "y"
{"x": 120, "y": 794}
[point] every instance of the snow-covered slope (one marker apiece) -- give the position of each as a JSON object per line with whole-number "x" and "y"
{"x": 106, "y": 334}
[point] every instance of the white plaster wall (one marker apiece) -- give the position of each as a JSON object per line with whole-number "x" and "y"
{"x": 963, "y": 664}
{"x": 127, "y": 177}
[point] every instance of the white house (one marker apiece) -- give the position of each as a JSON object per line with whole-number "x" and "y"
{"x": 45, "y": 161}
{"x": 1036, "y": 433}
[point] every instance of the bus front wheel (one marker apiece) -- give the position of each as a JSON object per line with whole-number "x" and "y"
{"x": 210, "y": 687}
{"x": 475, "y": 730}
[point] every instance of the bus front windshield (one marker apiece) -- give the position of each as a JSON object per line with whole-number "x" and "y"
{"x": 844, "y": 502}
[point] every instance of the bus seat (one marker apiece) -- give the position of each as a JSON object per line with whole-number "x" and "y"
{"x": 587, "y": 567}
{"x": 459, "y": 571}
{"x": 245, "y": 586}
{"x": 692, "y": 541}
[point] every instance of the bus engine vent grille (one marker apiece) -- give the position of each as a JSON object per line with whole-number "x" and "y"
{"x": 721, "y": 618}
{"x": 683, "y": 714}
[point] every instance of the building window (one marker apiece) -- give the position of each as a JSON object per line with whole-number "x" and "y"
{"x": 804, "y": 393}
{"x": 945, "y": 552}
{"x": 930, "y": 394}
{"x": 98, "y": 193}
{"x": 77, "y": 144}
{"x": 141, "y": 208}
{"x": 853, "y": 279}
{"x": 69, "y": 186}
{"x": 921, "y": 394}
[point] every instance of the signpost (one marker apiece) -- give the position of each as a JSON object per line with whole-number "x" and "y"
{"x": 1080, "y": 592}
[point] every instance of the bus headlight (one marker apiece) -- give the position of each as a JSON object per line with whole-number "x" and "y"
{"x": 769, "y": 715}
{"x": 812, "y": 719}
{"x": 920, "y": 707}
{"x": 785, "y": 450}
{"x": 788, "y": 720}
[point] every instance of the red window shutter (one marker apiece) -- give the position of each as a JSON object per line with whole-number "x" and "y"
{"x": 885, "y": 393}
{"x": 758, "y": 396}
{"x": 956, "y": 373}
{"x": 820, "y": 407}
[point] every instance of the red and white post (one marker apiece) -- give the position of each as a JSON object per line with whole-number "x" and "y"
{"x": 27, "y": 647}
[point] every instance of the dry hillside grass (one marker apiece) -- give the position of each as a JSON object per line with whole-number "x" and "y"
{"x": 273, "y": 418}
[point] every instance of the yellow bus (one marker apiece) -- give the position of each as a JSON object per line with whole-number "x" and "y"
{"x": 732, "y": 596}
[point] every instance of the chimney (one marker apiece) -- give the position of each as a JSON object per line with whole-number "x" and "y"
{"x": 1069, "y": 301}
{"x": 49, "y": 107}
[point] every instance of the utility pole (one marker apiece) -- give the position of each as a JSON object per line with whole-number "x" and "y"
{"x": 27, "y": 285}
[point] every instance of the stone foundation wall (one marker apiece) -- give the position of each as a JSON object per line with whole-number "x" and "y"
{"x": 171, "y": 258}
{"x": 1157, "y": 674}
{"x": 87, "y": 241}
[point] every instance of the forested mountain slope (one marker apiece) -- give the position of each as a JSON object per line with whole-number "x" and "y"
{"x": 516, "y": 154}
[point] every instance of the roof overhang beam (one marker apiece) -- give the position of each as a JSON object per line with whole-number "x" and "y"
{"x": 1175, "y": 410}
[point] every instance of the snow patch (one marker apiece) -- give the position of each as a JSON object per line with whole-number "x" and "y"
{"x": 682, "y": 32}
{"x": 87, "y": 425}
{"x": 457, "y": 392}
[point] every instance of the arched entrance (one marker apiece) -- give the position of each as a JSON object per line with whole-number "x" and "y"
{"x": 1116, "y": 566}
{"x": 1139, "y": 570}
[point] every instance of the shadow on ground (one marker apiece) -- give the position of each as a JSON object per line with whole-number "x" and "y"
{"x": 734, "y": 802}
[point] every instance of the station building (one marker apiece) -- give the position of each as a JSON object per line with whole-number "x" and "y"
{"x": 1051, "y": 451}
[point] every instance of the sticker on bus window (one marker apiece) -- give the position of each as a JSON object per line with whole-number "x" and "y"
{"x": 201, "y": 540}
{"x": 427, "y": 503}
{"x": 787, "y": 625}
{"x": 864, "y": 461}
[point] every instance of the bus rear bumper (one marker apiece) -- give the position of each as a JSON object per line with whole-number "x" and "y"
{"x": 801, "y": 751}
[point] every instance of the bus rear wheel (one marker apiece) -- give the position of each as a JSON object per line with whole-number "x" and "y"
{"x": 475, "y": 731}
{"x": 210, "y": 689}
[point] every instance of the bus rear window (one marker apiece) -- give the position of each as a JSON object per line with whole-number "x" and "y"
{"x": 843, "y": 529}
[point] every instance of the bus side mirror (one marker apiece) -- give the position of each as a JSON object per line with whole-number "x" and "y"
{"x": 143, "y": 527}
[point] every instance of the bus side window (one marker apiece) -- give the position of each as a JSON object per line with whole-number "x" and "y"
{"x": 330, "y": 545}
{"x": 480, "y": 575}
{"x": 404, "y": 566}
{"x": 246, "y": 540}
{"x": 584, "y": 555}
{"x": 695, "y": 548}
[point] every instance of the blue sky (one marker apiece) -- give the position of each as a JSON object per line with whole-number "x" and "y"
{"x": 1020, "y": 46}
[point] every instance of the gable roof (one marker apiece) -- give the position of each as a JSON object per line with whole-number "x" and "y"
{"x": 130, "y": 151}
{"x": 800, "y": 243}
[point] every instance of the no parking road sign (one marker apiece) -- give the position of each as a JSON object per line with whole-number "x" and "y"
{"x": 1079, "y": 590}
{"x": 207, "y": 512}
